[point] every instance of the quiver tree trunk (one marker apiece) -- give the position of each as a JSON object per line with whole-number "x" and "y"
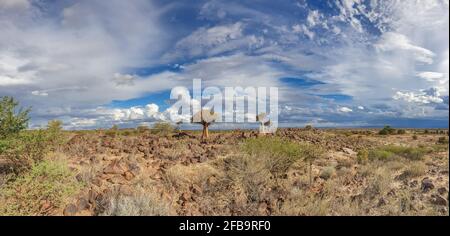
{"x": 205, "y": 118}
{"x": 205, "y": 133}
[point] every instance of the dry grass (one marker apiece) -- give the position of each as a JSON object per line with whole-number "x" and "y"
{"x": 142, "y": 202}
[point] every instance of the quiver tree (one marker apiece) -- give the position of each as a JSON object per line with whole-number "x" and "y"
{"x": 205, "y": 118}
{"x": 264, "y": 123}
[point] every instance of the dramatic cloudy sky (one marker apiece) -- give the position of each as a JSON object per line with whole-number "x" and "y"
{"x": 93, "y": 63}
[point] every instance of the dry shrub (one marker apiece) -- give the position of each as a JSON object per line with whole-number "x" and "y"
{"x": 89, "y": 172}
{"x": 415, "y": 169}
{"x": 142, "y": 202}
{"x": 251, "y": 173}
{"x": 181, "y": 177}
{"x": 379, "y": 183}
{"x": 327, "y": 172}
{"x": 176, "y": 151}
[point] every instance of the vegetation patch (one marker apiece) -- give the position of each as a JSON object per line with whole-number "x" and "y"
{"x": 45, "y": 187}
{"x": 390, "y": 152}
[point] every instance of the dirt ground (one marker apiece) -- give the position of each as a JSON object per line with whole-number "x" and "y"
{"x": 178, "y": 174}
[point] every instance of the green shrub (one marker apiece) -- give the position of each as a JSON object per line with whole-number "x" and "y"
{"x": 24, "y": 149}
{"x": 411, "y": 153}
{"x": 389, "y": 152}
{"x": 362, "y": 156}
{"x": 279, "y": 154}
{"x": 54, "y": 133}
{"x": 381, "y": 155}
{"x": 12, "y": 121}
{"x": 48, "y": 181}
{"x": 387, "y": 130}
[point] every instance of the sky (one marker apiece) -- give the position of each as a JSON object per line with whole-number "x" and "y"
{"x": 342, "y": 63}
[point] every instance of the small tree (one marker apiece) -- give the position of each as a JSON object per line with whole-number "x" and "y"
{"x": 54, "y": 128}
{"x": 12, "y": 121}
{"x": 310, "y": 153}
{"x": 205, "y": 118}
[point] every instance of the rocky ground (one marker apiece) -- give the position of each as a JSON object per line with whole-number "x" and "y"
{"x": 177, "y": 174}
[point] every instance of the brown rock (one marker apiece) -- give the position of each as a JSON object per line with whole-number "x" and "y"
{"x": 70, "y": 210}
{"x": 427, "y": 185}
{"x": 117, "y": 179}
{"x": 381, "y": 202}
{"x": 185, "y": 197}
{"x": 84, "y": 213}
{"x": 128, "y": 175}
{"x": 114, "y": 168}
{"x": 97, "y": 182}
{"x": 438, "y": 200}
{"x": 442, "y": 190}
{"x": 83, "y": 204}
{"x": 126, "y": 190}
{"x": 91, "y": 196}
{"x": 262, "y": 209}
{"x": 45, "y": 205}
{"x": 196, "y": 189}
{"x": 349, "y": 151}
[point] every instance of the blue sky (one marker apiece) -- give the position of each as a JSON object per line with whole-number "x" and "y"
{"x": 343, "y": 63}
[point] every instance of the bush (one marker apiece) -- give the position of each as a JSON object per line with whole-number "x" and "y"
{"x": 54, "y": 132}
{"x": 379, "y": 154}
{"x": 142, "y": 129}
{"x": 327, "y": 172}
{"x": 278, "y": 153}
{"x": 112, "y": 132}
{"x": 387, "y": 130}
{"x": 442, "y": 140}
{"x": 401, "y": 131}
{"x": 416, "y": 169}
{"x": 411, "y": 153}
{"x": 163, "y": 128}
{"x": 308, "y": 127}
{"x": 25, "y": 149}
{"x": 414, "y": 137}
{"x": 389, "y": 152}
{"x": 11, "y": 120}
{"x": 49, "y": 182}
{"x": 362, "y": 156}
